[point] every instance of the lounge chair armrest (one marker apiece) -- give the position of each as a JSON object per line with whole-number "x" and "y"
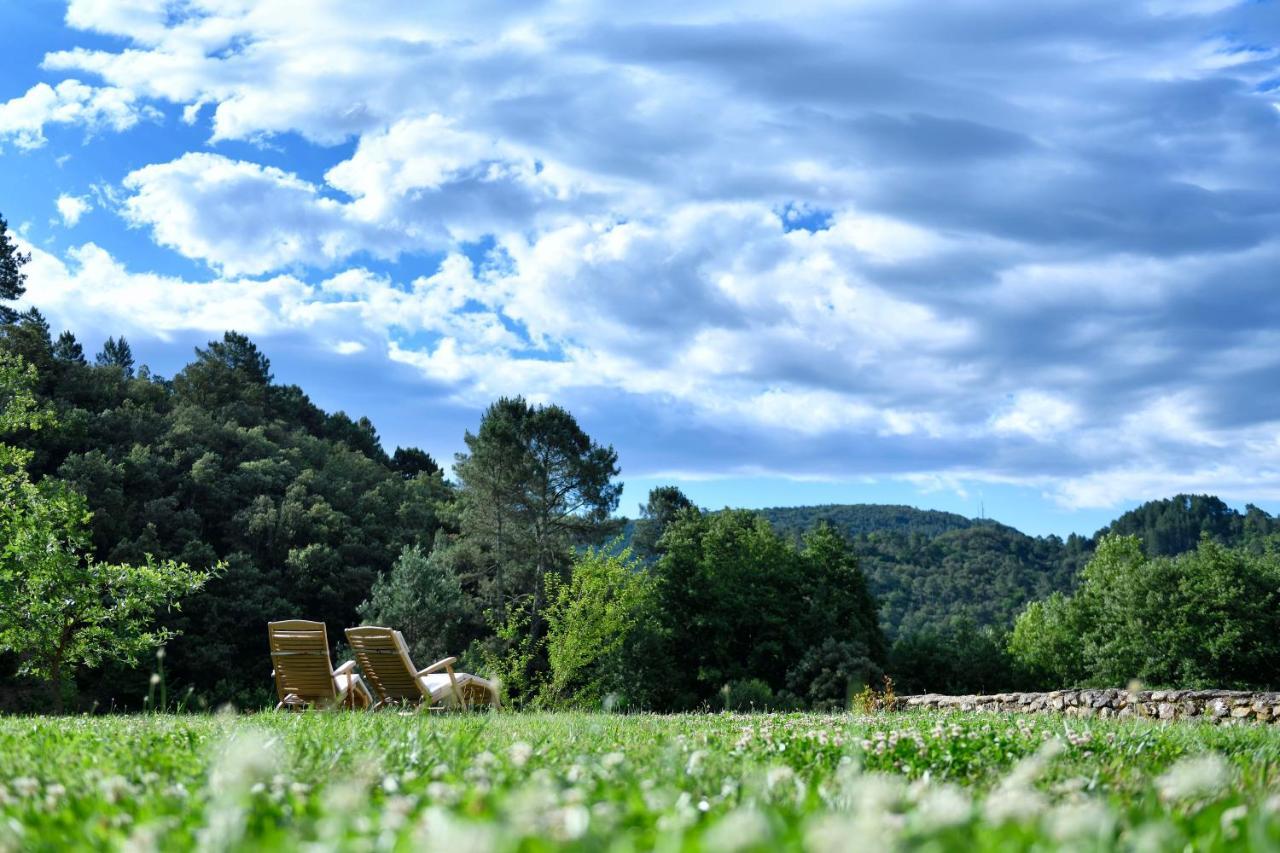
{"x": 345, "y": 668}
{"x": 437, "y": 666}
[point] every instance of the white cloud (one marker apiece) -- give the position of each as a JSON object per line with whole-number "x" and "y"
{"x": 244, "y": 218}
{"x": 1013, "y": 243}
{"x": 24, "y": 118}
{"x": 1037, "y": 415}
{"x": 71, "y": 208}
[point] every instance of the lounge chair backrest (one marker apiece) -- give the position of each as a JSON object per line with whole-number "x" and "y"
{"x": 300, "y": 655}
{"x": 384, "y": 659}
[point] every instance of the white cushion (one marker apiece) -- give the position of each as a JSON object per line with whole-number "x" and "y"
{"x": 438, "y": 688}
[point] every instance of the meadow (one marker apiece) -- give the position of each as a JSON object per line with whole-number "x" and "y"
{"x": 626, "y": 782}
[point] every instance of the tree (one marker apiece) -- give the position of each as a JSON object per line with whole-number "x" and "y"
{"x": 1206, "y": 618}
{"x": 220, "y": 466}
{"x": 737, "y": 601}
{"x": 422, "y": 596}
{"x": 532, "y": 485}
{"x": 116, "y": 352}
{"x": 62, "y": 608}
{"x": 409, "y": 462}
{"x": 231, "y": 375}
{"x": 594, "y": 622}
{"x": 12, "y": 278}
{"x": 664, "y": 505}
{"x": 68, "y": 349}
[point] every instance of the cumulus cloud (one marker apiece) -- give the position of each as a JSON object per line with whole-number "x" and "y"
{"x": 1023, "y": 243}
{"x": 71, "y": 208}
{"x": 245, "y": 218}
{"x": 24, "y": 118}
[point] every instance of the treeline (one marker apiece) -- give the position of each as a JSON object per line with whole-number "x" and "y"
{"x": 235, "y": 498}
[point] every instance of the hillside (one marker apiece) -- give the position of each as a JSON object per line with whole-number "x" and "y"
{"x": 857, "y": 519}
{"x": 929, "y": 569}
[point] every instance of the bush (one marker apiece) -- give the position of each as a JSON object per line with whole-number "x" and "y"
{"x": 748, "y": 694}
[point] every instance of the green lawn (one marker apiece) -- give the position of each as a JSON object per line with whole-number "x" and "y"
{"x": 538, "y": 781}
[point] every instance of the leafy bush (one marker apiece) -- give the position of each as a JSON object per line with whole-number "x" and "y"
{"x": 1207, "y": 618}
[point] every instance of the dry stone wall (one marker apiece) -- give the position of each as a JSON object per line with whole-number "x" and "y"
{"x": 1217, "y": 706}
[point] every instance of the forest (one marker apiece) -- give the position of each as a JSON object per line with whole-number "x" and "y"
{"x": 218, "y": 499}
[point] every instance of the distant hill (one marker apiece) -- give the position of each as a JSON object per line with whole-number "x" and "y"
{"x": 930, "y": 569}
{"x": 1174, "y": 525}
{"x": 856, "y": 519}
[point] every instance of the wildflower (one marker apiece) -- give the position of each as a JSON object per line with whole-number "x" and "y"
{"x": 569, "y": 823}
{"x": 1231, "y": 817}
{"x": 943, "y": 806}
{"x": 1194, "y": 778}
{"x": 741, "y": 829}
{"x": 1083, "y": 821}
{"x": 26, "y": 786}
{"x": 520, "y": 753}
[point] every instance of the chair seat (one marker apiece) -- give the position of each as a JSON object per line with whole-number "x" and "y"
{"x": 350, "y": 682}
{"x": 474, "y": 689}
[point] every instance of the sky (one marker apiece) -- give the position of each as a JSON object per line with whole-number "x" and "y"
{"x": 1009, "y": 258}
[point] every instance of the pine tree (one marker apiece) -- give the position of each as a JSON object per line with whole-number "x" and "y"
{"x": 12, "y": 278}
{"x": 68, "y": 349}
{"x": 117, "y": 352}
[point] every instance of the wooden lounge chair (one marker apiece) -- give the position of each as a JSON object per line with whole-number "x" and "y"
{"x": 304, "y": 674}
{"x": 384, "y": 659}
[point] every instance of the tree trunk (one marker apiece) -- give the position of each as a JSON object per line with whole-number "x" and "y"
{"x": 55, "y": 684}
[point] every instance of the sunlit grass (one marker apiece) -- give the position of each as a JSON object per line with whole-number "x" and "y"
{"x": 535, "y": 781}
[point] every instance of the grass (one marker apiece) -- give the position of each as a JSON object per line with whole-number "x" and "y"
{"x": 597, "y": 782}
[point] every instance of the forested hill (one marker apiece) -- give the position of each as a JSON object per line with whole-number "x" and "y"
{"x": 930, "y": 570}
{"x": 856, "y": 519}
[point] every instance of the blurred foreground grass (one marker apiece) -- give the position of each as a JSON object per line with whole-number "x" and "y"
{"x": 608, "y": 782}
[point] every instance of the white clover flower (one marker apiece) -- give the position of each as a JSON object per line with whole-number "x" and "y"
{"x": 520, "y": 753}
{"x": 694, "y": 765}
{"x": 114, "y": 788}
{"x": 439, "y": 830}
{"x": 1013, "y": 805}
{"x": 741, "y": 829}
{"x": 1195, "y": 777}
{"x": 1084, "y": 821}
{"x": 1231, "y": 817}
{"x": 612, "y": 759}
{"x": 943, "y": 806}
{"x": 569, "y": 823}
{"x": 26, "y": 786}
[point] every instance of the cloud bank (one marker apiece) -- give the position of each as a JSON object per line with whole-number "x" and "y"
{"x": 1016, "y": 243}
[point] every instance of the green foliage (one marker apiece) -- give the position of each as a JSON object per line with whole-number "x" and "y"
{"x": 1205, "y": 618}
{"x": 986, "y": 573}
{"x": 1046, "y": 641}
{"x": 594, "y": 624}
{"x": 853, "y": 520}
{"x": 422, "y": 596}
{"x": 748, "y": 694}
{"x": 221, "y": 465}
{"x": 12, "y": 278}
{"x": 61, "y": 608}
{"x": 532, "y": 486}
{"x": 737, "y": 601}
{"x": 664, "y": 506}
{"x": 116, "y": 353}
{"x": 1173, "y": 526}
{"x": 958, "y": 658}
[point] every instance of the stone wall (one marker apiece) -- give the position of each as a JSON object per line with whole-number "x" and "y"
{"x": 1218, "y": 706}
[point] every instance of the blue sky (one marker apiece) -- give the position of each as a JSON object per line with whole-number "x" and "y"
{"x": 1019, "y": 256}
